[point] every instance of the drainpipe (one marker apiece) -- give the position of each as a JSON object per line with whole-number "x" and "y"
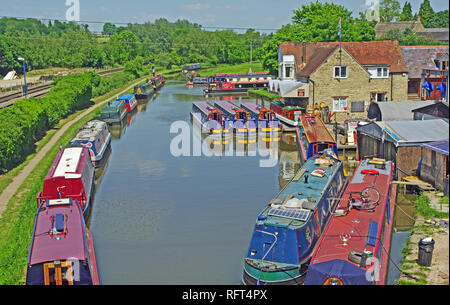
{"x": 313, "y": 100}
{"x": 392, "y": 79}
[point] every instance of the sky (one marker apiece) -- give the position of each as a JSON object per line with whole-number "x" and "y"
{"x": 259, "y": 14}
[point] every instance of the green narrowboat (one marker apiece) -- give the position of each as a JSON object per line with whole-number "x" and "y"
{"x": 114, "y": 112}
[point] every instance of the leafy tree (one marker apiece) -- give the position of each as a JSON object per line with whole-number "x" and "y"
{"x": 316, "y": 22}
{"x": 389, "y": 10}
{"x": 426, "y": 13}
{"x": 406, "y": 14}
{"x": 440, "y": 20}
{"x": 109, "y": 29}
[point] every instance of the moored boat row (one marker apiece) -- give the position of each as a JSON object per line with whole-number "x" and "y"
{"x": 62, "y": 249}
{"x": 225, "y": 117}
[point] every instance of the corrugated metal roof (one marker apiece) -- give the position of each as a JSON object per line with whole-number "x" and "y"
{"x": 409, "y": 132}
{"x": 399, "y": 111}
{"x": 439, "y": 146}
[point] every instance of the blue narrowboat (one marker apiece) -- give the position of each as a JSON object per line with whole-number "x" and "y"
{"x": 211, "y": 119}
{"x": 287, "y": 231}
{"x": 265, "y": 119}
{"x": 313, "y": 137}
{"x": 243, "y": 123}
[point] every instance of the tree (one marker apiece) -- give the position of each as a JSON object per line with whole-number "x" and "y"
{"x": 316, "y": 22}
{"x": 389, "y": 10}
{"x": 426, "y": 13}
{"x": 109, "y": 29}
{"x": 406, "y": 14}
{"x": 440, "y": 20}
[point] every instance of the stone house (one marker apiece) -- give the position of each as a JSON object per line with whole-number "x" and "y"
{"x": 345, "y": 77}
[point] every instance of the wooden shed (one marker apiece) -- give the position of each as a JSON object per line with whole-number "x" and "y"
{"x": 434, "y": 166}
{"x": 399, "y": 141}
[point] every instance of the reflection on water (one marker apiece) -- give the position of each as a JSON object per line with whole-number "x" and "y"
{"x": 160, "y": 219}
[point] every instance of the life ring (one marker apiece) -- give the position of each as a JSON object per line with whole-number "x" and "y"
{"x": 254, "y": 85}
{"x": 370, "y": 172}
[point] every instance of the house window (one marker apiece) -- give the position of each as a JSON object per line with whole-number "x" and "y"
{"x": 378, "y": 96}
{"x": 378, "y": 72}
{"x": 339, "y": 104}
{"x": 288, "y": 72}
{"x": 340, "y": 72}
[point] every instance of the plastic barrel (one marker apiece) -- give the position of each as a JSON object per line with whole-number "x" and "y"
{"x": 426, "y": 246}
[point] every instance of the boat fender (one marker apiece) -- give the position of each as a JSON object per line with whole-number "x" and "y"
{"x": 361, "y": 258}
{"x": 370, "y": 172}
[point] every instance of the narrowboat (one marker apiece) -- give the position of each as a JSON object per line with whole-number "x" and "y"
{"x": 70, "y": 176}
{"x": 95, "y": 136}
{"x": 243, "y": 124}
{"x": 62, "y": 249}
{"x": 211, "y": 119}
{"x": 232, "y": 88}
{"x": 129, "y": 100}
{"x": 259, "y": 78}
{"x": 313, "y": 136}
{"x": 143, "y": 91}
{"x": 114, "y": 112}
{"x": 201, "y": 80}
{"x": 288, "y": 115}
{"x": 264, "y": 118}
{"x": 287, "y": 231}
{"x": 157, "y": 82}
{"x": 354, "y": 249}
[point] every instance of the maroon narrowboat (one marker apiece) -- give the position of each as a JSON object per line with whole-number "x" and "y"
{"x": 61, "y": 249}
{"x": 70, "y": 176}
{"x": 354, "y": 248}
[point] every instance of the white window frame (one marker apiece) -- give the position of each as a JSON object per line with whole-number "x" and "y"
{"x": 379, "y": 72}
{"x": 340, "y": 104}
{"x": 340, "y": 72}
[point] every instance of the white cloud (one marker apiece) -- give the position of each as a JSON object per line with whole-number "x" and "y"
{"x": 197, "y": 6}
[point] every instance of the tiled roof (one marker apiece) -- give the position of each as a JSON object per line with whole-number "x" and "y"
{"x": 439, "y": 34}
{"x": 418, "y": 58}
{"x": 365, "y": 53}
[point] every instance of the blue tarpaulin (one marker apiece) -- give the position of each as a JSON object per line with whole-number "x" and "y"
{"x": 348, "y": 273}
{"x": 443, "y": 88}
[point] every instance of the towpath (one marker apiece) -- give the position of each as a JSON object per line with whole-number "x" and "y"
{"x": 12, "y": 188}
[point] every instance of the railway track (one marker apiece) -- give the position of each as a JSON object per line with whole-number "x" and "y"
{"x": 8, "y": 100}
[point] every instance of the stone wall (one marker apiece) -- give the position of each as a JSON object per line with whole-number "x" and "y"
{"x": 356, "y": 87}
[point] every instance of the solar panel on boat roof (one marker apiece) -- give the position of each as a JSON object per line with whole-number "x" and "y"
{"x": 301, "y": 214}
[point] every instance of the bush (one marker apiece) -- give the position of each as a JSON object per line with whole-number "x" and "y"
{"x": 27, "y": 120}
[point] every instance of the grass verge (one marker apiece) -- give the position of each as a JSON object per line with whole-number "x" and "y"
{"x": 18, "y": 219}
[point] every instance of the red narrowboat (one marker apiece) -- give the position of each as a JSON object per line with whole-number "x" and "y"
{"x": 70, "y": 176}
{"x": 288, "y": 115}
{"x": 61, "y": 249}
{"x": 130, "y": 101}
{"x": 354, "y": 249}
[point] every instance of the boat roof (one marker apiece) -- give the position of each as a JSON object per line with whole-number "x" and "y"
{"x": 89, "y": 131}
{"x": 297, "y": 189}
{"x": 205, "y": 107}
{"x": 254, "y": 107}
{"x": 113, "y": 104}
{"x": 315, "y": 130}
{"x": 356, "y": 223}
{"x": 126, "y": 97}
{"x": 287, "y": 107}
{"x": 243, "y": 74}
{"x": 46, "y": 246}
{"x": 69, "y": 163}
{"x": 229, "y": 106}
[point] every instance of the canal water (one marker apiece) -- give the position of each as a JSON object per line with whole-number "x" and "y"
{"x": 158, "y": 218}
{"x": 162, "y": 219}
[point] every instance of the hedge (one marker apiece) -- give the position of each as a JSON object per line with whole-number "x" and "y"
{"x": 27, "y": 120}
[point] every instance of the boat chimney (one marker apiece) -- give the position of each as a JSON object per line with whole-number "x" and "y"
{"x": 306, "y": 179}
